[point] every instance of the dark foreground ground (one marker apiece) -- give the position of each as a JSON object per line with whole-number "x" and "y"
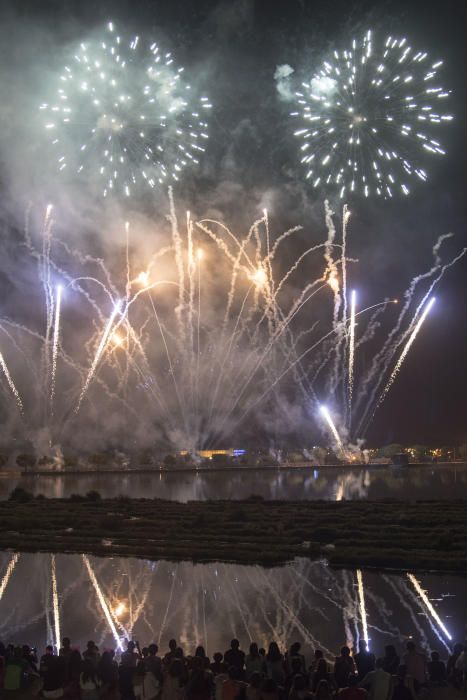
{"x": 429, "y": 535}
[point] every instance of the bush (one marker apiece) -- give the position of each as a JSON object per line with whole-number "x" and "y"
{"x": 45, "y": 461}
{"x": 93, "y": 496}
{"x": 20, "y": 495}
{"x": 99, "y": 459}
{"x": 169, "y": 461}
{"x": 77, "y": 498}
{"x": 3, "y": 460}
{"x": 70, "y": 462}
{"x": 25, "y": 461}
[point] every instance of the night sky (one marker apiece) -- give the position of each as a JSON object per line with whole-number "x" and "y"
{"x": 233, "y": 48}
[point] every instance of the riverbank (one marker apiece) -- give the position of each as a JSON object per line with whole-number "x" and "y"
{"x": 430, "y": 535}
{"x": 285, "y": 466}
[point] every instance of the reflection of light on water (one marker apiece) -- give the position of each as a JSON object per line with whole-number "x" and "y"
{"x": 340, "y": 490}
{"x": 102, "y": 601}
{"x": 427, "y": 601}
{"x": 217, "y": 602}
{"x": 9, "y": 570}
{"x": 352, "y": 485}
{"x": 120, "y": 609}
{"x": 361, "y": 599}
{"x": 56, "y": 608}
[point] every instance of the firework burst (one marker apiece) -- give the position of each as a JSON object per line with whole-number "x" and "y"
{"x": 123, "y": 116}
{"x": 368, "y": 118}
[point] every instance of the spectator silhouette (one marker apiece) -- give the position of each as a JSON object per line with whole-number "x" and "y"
{"x": 343, "y": 667}
{"x": 235, "y": 656}
{"x": 352, "y": 691}
{"x": 378, "y": 683}
{"x": 416, "y": 665}
{"x": 275, "y": 664}
{"x": 254, "y": 662}
{"x": 364, "y": 660}
{"x": 436, "y": 670}
{"x": 391, "y": 660}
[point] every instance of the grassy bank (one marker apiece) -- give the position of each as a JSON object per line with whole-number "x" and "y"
{"x": 427, "y": 535}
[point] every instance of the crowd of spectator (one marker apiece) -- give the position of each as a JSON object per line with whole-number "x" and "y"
{"x": 260, "y": 674}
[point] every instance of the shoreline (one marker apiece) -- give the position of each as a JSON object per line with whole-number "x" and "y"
{"x": 213, "y": 469}
{"x": 382, "y": 535}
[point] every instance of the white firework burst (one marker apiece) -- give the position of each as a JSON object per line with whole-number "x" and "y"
{"x": 368, "y": 117}
{"x": 123, "y": 115}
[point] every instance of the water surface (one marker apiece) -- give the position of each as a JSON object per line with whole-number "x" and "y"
{"x": 211, "y": 603}
{"x": 330, "y": 483}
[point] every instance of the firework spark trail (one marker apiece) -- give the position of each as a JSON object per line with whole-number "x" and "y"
{"x": 263, "y": 353}
{"x": 190, "y": 313}
{"x": 236, "y": 268}
{"x": 102, "y": 601}
{"x": 45, "y": 276}
{"x": 55, "y": 605}
{"x": 331, "y": 267}
{"x": 260, "y": 330}
{"x": 345, "y": 221}
{"x": 177, "y": 241}
{"x": 374, "y": 323}
{"x": 72, "y": 364}
{"x": 306, "y": 634}
{"x": 405, "y": 351}
{"x": 169, "y": 360}
{"x": 236, "y": 600}
{"x": 55, "y": 344}
{"x": 327, "y": 417}
{"x": 370, "y": 385}
{"x": 403, "y": 594}
{"x": 97, "y": 356}
{"x": 280, "y": 376}
{"x": 198, "y": 326}
{"x": 226, "y": 356}
{"x": 416, "y": 584}
{"x": 127, "y": 300}
{"x": 348, "y": 141}
{"x": 11, "y": 384}
{"x": 256, "y": 583}
{"x": 169, "y": 601}
{"x": 7, "y": 575}
{"x": 380, "y": 608}
{"x": 361, "y": 598}
{"x": 416, "y": 600}
{"x": 351, "y": 353}
{"x": 332, "y": 279}
{"x": 203, "y": 591}
{"x": 298, "y": 586}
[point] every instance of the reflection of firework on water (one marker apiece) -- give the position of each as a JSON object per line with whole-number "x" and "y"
{"x": 429, "y": 605}
{"x": 182, "y": 355}
{"x": 123, "y": 115}
{"x": 209, "y": 604}
{"x": 7, "y": 575}
{"x": 368, "y": 117}
{"x": 55, "y": 604}
{"x": 362, "y": 604}
{"x": 102, "y": 601}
